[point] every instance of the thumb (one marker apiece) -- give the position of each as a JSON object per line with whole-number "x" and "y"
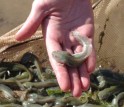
{"x": 38, "y": 12}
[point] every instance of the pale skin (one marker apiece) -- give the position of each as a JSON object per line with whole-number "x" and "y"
{"x": 58, "y": 19}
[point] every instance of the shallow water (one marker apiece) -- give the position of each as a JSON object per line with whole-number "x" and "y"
{"x": 13, "y": 13}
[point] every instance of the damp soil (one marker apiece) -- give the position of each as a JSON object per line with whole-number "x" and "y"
{"x": 13, "y": 13}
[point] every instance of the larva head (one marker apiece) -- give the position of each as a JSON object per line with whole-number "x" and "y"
{"x": 60, "y": 56}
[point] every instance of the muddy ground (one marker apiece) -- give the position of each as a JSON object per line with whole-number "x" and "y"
{"x": 13, "y": 13}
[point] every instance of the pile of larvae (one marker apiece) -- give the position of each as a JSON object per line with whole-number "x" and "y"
{"x": 27, "y": 84}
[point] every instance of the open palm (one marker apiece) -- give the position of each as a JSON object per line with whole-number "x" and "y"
{"x": 58, "y": 19}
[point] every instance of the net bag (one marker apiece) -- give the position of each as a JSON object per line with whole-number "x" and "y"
{"x": 109, "y": 31}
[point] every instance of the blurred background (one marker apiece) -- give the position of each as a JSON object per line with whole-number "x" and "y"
{"x": 13, "y": 13}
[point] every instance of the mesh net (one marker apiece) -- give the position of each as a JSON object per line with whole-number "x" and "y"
{"x": 109, "y": 39}
{"x": 12, "y": 50}
{"x": 108, "y": 16}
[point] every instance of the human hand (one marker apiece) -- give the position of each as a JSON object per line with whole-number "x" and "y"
{"x": 58, "y": 19}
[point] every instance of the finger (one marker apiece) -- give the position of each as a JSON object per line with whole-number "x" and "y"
{"x": 76, "y": 88}
{"x": 84, "y": 75}
{"x": 59, "y": 69}
{"x": 91, "y": 62}
{"x": 33, "y": 21}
